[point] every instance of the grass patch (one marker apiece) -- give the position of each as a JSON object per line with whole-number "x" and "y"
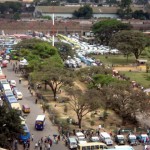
{"x": 116, "y": 59}
{"x": 140, "y": 77}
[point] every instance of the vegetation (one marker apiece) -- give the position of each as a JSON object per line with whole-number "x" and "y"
{"x": 85, "y": 12}
{"x": 130, "y": 42}
{"x": 11, "y": 7}
{"x": 104, "y": 30}
{"x": 64, "y": 50}
{"x": 83, "y": 103}
{"x": 10, "y": 127}
{"x": 125, "y": 10}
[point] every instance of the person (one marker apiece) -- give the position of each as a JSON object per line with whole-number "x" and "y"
{"x": 19, "y": 80}
{"x": 48, "y": 146}
{"x": 36, "y": 145}
{"x": 58, "y": 137}
{"x": 36, "y": 101}
{"x": 32, "y": 137}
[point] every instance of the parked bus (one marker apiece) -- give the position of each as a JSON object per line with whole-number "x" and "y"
{"x": 92, "y": 146}
{"x": 25, "y": 136}
{"x": 40, "y": 122}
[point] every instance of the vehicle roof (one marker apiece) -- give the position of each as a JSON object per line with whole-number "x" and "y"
{"x": 40, "y": 118}
{"x": 25, "y": 106}
{"x": 16, "y": 106}
{"x": 25, "y": 128}
{"x": 120, "y": 136}
{"x": 91, "y": 144}
{"x": 12, "y": 81}
{"x": 3, "y": 81}
{"x": 94, "y": 137}
{"x": 72, "y": 139}
{"x": 79, "y": 134}
{"x": 144, "y": 135}
{"x": 124, "y": 147}
{"x": 6, "y": 85}
{"x": 12, "y": 99}
{"x": 9, "y": 93}
{"x": 132, "y": 136}
{"x": 105, "y": 134}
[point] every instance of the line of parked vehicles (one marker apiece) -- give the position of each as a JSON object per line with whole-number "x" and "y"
{"x": 105, "y": 141}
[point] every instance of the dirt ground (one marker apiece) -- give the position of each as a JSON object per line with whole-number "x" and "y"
{"x": 127, "y": 68}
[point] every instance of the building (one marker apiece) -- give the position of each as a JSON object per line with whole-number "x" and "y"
{"x": 67, "y": 11}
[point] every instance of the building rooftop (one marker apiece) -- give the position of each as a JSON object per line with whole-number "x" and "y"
{"x": 71, "y": 9}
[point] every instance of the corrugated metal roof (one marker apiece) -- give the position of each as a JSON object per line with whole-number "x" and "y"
{"x": 71, "y": 9}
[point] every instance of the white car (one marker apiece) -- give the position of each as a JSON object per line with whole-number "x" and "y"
{"x": 13, "y": 83}
{"x": 18, "y": 95}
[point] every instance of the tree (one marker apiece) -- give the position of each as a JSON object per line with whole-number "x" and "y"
{"x": 140, "y": 14}
{"x": 64, "y": 50}
{"x": 100, "y": 80}
{"x": 83, "y": 103}
{"x": 128, "y": 102}
{"x": 84, "y": 12}
{"x": 53, "y": 76}
{"x": 130, "y": 41}
{"x": 125, "y": 10}
{"x": 10, "y": 126}
{"x": 105, "y": 29}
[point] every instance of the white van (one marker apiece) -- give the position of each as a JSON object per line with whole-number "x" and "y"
{"x": 106, "y": 138}
{"x": 80, "y": 138}
{"x": 72, "y": 143}
{"x": 18, "y": 95}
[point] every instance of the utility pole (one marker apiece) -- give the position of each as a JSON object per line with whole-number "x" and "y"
{"x": 53, "y": 27}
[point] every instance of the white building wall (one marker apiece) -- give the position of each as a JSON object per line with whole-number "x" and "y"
{"x": 70, "y": 15}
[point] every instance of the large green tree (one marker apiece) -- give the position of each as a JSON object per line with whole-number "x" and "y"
{"x": 84, "y": 12}
{"x": 10, "y": 126}
{"x": 130, "y": 42}
{"x": 54, "y": 75}
{"x": 105, "y": 29}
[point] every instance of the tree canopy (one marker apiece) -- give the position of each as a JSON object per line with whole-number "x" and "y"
{"x": 64, "y": 50}
{"x": 125, "y": 11}
{"x": 105, "y": 29}
{"x": 83, "y": 103}
{"x": 12, "y": 7}
{"x": 130, "y": 42}
{"x": 10, "y": 126}
{"x": 126, "y": 101}
{"x": 84, "y": 12}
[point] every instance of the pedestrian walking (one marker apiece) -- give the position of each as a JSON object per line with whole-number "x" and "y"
{"x": 58, "y": 137}
{"x": 29, "y": 87}
{"x": 42, "y": 140}
{"x": 20, "y": 80}
{"x": 36, "y": 100}
{"x": 32, "y": 137}
{"x": 39, "y": 143}
{"x": 40, "y": 147}
{"x": 36, "y": 145}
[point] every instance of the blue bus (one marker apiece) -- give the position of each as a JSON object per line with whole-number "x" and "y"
{"x": 25, "y": 136}
{"x": 40, "y": 122}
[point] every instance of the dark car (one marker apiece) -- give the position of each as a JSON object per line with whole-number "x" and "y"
{"x": 132, "y": 140}
{"x": 120, "y": 139}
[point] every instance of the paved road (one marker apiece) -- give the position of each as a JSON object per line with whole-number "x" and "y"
{"x": 35, "y": 110}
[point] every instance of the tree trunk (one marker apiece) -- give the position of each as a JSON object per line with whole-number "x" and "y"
{"x": 54, "y": 93}
{"x": 127, "y": 58}
{"x": 80, "y": 122}
{"x": 45, "y": 85}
